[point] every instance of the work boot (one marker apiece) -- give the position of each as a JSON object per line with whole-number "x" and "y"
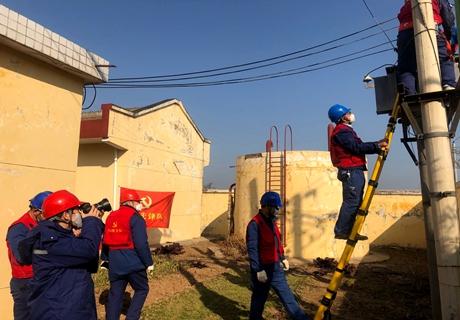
{"x": 359, "y": 237}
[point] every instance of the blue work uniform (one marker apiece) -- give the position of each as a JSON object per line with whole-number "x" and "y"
{"x": 129, "y": 266}
{"x": 352, "y": 179}
{"x": 275, "y": 274}
{"x": 62, "y": 287}
{"x": 19, "y": 287}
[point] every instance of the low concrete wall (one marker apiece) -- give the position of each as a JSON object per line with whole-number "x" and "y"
{"x": 396, "y": 218}
{"x": 214, "y": 214}
{"x": 314, "y": 197}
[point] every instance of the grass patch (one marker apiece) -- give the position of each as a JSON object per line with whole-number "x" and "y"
{"x": 101, "y": 279}
{"x": 224, "y": 297}
{"x": 164, "y": 265}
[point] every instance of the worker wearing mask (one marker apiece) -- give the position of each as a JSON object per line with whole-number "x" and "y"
{"x": 348, "y": 152}
{"x": 126, "y": 248}
{"x": 62, "y": 287}
{"x": 267, "y": 260}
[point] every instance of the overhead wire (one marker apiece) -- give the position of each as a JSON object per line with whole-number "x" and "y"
{"x": 285, "y": 73}
{"x": 377, "y": 23}
{"x": 249, "y": 68}
{"x": 94, "y": 97}
{"x": 257, "y": 61}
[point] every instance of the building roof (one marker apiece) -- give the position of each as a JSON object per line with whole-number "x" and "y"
{"x": 31, "y": 38}
{"x": 94, "y": 124}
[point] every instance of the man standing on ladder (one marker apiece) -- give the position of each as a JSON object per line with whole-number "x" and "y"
{"x": 348, "y": 156}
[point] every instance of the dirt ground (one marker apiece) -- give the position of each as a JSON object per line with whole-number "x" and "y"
{"x": 395, "y": 289}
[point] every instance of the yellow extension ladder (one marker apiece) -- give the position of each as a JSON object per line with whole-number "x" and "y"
{"x": 323, "y": 311}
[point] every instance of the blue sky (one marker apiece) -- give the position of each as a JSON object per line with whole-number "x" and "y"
{"x": 164, "y": 37}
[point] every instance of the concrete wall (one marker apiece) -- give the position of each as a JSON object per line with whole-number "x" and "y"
{"x": 314, "y": 197}
{"x": 163, "y": 153}
{"x": 39, "y": 131}
{"x": 214, "y": 214}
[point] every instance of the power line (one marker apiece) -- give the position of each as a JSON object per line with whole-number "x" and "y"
{"x": 280, "y": 74}
{"x": 249, "y": 68}
{"x": 94, "y": 97}
{"x": 377, "y": 23}
{"x": 258, "y": 61}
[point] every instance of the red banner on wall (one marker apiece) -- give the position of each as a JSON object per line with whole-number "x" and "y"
{"x": 156, "y": 207}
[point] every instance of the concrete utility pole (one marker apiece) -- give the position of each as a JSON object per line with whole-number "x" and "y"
{"x": 441, "y": 184}
{"x": 429, "y": 234}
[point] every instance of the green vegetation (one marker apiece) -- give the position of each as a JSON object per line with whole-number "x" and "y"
{"x": 224, "y": 297}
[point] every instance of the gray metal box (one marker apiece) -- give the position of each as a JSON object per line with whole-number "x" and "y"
{"x": 385, "y": 91}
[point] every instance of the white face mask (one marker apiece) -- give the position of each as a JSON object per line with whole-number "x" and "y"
{"x": 138, "y": 207}
{"x": 77, "y": 221}
{"x": 352, "y": 118}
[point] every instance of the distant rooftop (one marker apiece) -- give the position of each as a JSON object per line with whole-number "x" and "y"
{"x": 25, "y": 35}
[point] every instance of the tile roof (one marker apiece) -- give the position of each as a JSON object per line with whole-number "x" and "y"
{"x": 26, "y": 35}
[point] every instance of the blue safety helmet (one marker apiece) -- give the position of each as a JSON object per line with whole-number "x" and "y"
{"x": 37, "y": 201}
{"x": 271, "y": 199}
{"x": 337, "y": 111}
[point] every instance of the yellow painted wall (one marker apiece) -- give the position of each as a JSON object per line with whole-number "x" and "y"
{"x": 214, "y": 214}
{"x": 164, "y": 153}
{"x": 40, "y": 109}
{"x": 314, "y": 198}
{"x": 95, "y": 173}
{"x": 396, "y": 219}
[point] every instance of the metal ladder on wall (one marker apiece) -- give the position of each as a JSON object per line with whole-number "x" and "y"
{"x": 275, "y": 171}
{"x": 323, "y": 311}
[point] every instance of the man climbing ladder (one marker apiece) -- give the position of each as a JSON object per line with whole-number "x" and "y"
{"x": 323, "y": 311}
{"x": 348, "y": 154}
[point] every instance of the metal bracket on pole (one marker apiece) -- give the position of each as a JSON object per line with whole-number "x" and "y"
{"x": 455, "y": 120}
{"x": 411, "y": 117}
{"x": 432, "y": 96}
{"x": 443, "y": 194}
{"x": 405, "y": 141}
{"x": 439, "y": 134}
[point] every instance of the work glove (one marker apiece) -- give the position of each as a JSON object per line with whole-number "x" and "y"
{"x": 104, "y": 265}
{"x": 150, "y": 269}
{"x": 262, "y": 276}
{"x": 285, "y": 264}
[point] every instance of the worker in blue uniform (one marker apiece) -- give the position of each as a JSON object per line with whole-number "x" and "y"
{"x": 22, "y": 273}
{"x": 126, "y": 248}
{"x": 444, "y": 20}
{"x": 348, "y": 155}
{"x": 62, "y": 287}
{"x": 267, "y": 260}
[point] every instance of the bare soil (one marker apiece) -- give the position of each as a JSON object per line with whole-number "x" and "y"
{"x": 395, "y": 289}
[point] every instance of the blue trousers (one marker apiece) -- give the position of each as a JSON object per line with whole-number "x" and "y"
{"x": 277, "y": 281}
{"x": 352, "y": 194}
{"x": 20, "y": 291}
{"x": 407, "y": 61}
{"x": 139, "y": 282}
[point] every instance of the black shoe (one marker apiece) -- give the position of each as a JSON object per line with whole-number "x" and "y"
{"x": 359, "y": 237}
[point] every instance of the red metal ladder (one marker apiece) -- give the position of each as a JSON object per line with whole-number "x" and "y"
{"x": 275, "y": 171}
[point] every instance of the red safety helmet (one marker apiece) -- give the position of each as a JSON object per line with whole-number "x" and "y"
{"x": 58, "y": 202}
{"x": 129, "y": 195}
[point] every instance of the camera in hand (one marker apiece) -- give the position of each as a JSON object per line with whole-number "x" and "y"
{"x": 103, "y": 206}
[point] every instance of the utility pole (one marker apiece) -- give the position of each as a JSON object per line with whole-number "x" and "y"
{"x": 441, "y": 184}
{"x": 429, "y": 234}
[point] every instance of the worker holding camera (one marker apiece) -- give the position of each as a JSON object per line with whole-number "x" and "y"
{"x": 128, "y": 253}
{"x": 62, "y": 287}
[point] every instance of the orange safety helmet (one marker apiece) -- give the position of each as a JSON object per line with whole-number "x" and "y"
{"x": 129, "y": 195}
{"x": 58, "y": 202}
